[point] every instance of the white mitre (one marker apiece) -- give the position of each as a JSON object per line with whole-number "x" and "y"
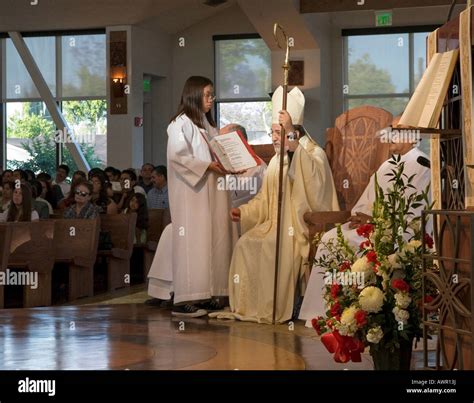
{"x": 295, "y": 105}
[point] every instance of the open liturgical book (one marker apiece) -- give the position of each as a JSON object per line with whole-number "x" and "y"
{"x": 233, "y": 152}
{"x": 425, "y": 105}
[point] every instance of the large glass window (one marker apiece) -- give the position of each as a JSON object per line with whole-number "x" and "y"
{"x": 30, "y": 137}
{"x": 79, "y": 88}
{"x": 383, "y": 70}
{"x": 243, "y": 84}
{"x": 87, "y": 120}
{"x": 19, "y": 84}
{"x": 83, "y": 66}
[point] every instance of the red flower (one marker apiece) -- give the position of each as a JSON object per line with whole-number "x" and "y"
{"x": 400, "y": 284}
{"x": 335, "y": 288}
{"x": 316, "y": 325}
{"x": 371, "y": 256}
{"x": 361, "y": 318}
{"x": 365, "y": 230}
{"x": 345, "y": 266}
{"x": 428, "y": 299}
{"x": 429, "y": 241}
{"x": 336, "y": 309}
{"x": 364, "y": 244}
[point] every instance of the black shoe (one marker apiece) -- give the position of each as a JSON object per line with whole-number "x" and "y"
{"x": 161, "y": 303}
{"x": 188, "y": 310}
{"x": 211, "y": 306}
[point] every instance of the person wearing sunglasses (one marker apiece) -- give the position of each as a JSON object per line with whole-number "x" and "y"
{"x": 82, "y": 206}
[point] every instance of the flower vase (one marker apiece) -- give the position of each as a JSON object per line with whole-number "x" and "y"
{"x": 397, "y": 360}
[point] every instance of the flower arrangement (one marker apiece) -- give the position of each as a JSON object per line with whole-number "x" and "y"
{"x": 376, "y": 300}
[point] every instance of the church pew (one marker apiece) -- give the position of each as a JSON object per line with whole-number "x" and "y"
{"x": 158, "y": 220}
{"x": 122, "y": 231}
{"x": 5, "y": 240}
{"x": 75, "y": 244}
{"x": 30, "y": 249}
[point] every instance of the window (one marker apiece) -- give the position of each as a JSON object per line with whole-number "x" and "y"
{"x": 74, "y": 67}
{"x": 83, "y": 66}
{"x": 383, "y": 69}
{"x": 243, "y": 84}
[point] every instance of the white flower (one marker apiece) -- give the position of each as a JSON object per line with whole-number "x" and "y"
{"x": 361, "y": 265}
{"x": 412, "y": 246}
{"x": 371, "y": 299}
{"x": 374, "y": 335}
{"x": 394, "y": 261}
{"x": 401, "y": 315}
{"x": 403, "y": 299}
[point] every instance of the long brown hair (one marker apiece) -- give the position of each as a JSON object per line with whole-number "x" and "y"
{"x": 191, "y": 101}
{"x": 25, "y": 208}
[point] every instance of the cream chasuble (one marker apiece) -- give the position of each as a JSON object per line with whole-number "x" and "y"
{"x": 308, "y": 187}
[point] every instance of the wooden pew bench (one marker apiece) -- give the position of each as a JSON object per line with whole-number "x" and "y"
{"x": 30, "y": 250}
{"x": 75, "y": 245}
{"x": 122, "y": 230}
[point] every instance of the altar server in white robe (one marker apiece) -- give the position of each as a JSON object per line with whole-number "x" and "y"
{"x": 308, "y": 186}
{"x": 202, "y": 236}
{"x": 416, "y": 163}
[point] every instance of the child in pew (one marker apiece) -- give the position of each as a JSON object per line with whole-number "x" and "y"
{"x": 82, "y": 206}
{"x": 21, "y": 207}
{"x": 137, "y": 204}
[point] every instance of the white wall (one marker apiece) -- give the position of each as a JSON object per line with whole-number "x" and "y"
{"x": 148, "y": 53}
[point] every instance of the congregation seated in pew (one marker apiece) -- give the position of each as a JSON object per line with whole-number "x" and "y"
{"x": 138, "y": 204}
{"x": 21, "y": 207}
{"x": 100, "y": 196}
{"x": 7, "y": 193}
{"x": 40, "y": 205}
{"x": 82, "y": 206}
{"x": 157, "y": 197}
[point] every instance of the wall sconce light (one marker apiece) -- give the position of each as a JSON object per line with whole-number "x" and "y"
{"x": 118, "y": 72}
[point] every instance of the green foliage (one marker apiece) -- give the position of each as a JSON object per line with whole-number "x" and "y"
{"x": 30, "y": 125}
{"x": 89, "y": 111}
{"x": 33, "y": 124}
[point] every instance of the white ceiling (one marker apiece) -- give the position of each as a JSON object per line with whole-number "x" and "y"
{"x": 171, "y": 15}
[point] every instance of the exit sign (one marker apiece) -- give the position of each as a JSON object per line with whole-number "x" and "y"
{"x": 383, "y": 18}
{"x": 146, "y": 85}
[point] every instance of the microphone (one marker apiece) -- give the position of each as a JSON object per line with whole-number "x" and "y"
{"x": 424, "y": 161}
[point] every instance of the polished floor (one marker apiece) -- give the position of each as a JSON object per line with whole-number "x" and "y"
{"x": 135, "y": 336}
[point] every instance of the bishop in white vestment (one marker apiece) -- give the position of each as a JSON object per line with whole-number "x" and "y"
{"x": 308, "y": 186}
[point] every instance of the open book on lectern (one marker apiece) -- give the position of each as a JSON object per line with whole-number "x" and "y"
{"x": 424, "y": 108}
{"x": 233, "y": 152}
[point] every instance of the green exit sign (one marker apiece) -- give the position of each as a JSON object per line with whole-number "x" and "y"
{"x": 146, "y": 85}
{"x": 383, "y": 18}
